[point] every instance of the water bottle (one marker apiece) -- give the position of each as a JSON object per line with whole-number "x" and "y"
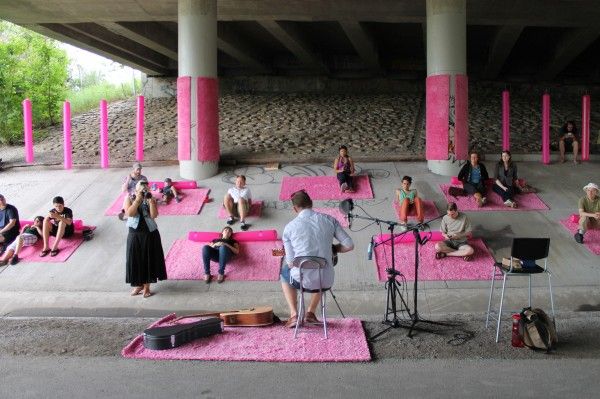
{"x": 370, "y": 250}
{"x": 516, "y": 340}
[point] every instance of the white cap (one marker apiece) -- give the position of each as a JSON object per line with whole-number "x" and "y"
{"x": 590, "y": 186}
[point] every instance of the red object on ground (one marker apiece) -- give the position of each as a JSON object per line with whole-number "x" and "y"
{"x": 517, "y": 339}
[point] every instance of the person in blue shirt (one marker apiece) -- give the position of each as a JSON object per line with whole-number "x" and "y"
{"x": 473, "y": 176}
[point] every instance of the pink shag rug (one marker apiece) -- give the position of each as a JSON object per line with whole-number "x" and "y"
{"x": 336, "y": 213}
{"x": 324, "y": 188}
{"x": 429, "y": 209}
{"x": 67, "y": 246}
{"x": 346, "y": 343}
{"x": 255, "y": 210}
{"x": 591, "y": 238}
{"x": 191, "y": 203}
{"x": 254, "y": 263}
{"x": 431, "y": 269}
{"x": 526, "y": 202}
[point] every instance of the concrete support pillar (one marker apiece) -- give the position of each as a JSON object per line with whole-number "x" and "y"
{"x": 446, "y": 55}
{"x": 197, "y": 90}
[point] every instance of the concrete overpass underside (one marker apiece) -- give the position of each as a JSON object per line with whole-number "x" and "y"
{"x": 538, "y": 41}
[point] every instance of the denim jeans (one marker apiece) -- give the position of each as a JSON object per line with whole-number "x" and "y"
{"x": 221, "y": 254}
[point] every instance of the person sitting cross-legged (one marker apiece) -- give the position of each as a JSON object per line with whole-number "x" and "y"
{"x": 407, "y": 199}
{"x": 220, "y": 250}
{"x": 589, "y": 211}
{"x": 455, "y": 228}
{"x": 473, "y": 176}
{"x": 29, "y": 236}
{"x": 238, "y": 201}
{"x": 59, "y": 224}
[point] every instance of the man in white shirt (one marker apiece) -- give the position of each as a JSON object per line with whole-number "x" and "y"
{"x": 309, "y": 234}
{"x": 238, "y": 201}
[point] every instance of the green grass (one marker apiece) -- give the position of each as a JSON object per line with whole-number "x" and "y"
{"x": 89, "y": 97}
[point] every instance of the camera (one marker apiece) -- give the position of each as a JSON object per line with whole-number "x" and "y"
{"x": 147, "y": 194}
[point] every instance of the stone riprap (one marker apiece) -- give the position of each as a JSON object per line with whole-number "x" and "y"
{"x": 307, "y": 127}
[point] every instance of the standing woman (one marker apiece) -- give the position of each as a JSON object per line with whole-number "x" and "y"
{"x": 144, "y": 257}
{"x": 506, "y": 176}
{"x": 344, "y": 168}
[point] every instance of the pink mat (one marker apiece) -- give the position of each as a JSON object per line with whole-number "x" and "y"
{"x": 191, "y": 203}
{"x": 429, "y": 209}
{"x": 431, "y": 269}
{"x": 324, "y": 187}
{"x": 526, "y": 202}
{"x": 346, "y": 343}
{"x": 591, "y": 238}
{"x": 255, "y": 210}
{"x": 67, "y": 246}
{"x": 255, "y": 261}
{"x": 336, "y": 213}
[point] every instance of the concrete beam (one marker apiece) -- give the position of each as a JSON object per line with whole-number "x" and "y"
{"x": 500, "y": 49}
{"x": 149, "y": 34}
{"x": 570, "y": 46}
{"x": 66, "y": 35}
{"x": 231, "y": 44}
{"x": 293, "y": 41}
{"x": 363, "y": 44}
{"x": 105, "y": 36}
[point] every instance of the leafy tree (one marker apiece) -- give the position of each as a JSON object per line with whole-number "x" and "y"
{"x": 31, "y": 66}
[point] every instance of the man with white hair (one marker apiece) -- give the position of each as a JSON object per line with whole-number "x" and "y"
{"x": 589, "y": 211}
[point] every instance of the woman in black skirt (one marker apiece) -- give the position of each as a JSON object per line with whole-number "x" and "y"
{"x": 145, "y": 258}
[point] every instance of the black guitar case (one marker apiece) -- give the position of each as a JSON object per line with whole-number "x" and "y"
{"x": 159, "y": 338}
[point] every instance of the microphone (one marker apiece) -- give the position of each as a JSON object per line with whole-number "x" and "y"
{"x": 370, "y": 250}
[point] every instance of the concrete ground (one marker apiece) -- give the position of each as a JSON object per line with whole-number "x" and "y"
{"x": 91, "y": 284}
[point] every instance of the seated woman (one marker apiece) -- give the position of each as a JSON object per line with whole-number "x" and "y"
{"x": 506, "y": 179}
{"x": 407, "y": 199}
{"x": 344, "y": 168}
{"x": 473, "y": 176}
{"x": 29, "y": 236}
{"x": 220, "y": 250}
{"x": 568, "y": 141}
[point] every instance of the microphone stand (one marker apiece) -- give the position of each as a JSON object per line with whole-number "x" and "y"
{"x": 390, "y": 316}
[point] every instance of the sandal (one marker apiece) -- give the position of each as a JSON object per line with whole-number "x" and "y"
{"x": 54, "y": 252}
{"x": 291, "y": 322}
{"x": 468, "y": 258}
{"x": 148, "y": 294}
{"x": 440, "y": 255}
{"x": 136, "y": 291}
{"x": 45, "y": 252}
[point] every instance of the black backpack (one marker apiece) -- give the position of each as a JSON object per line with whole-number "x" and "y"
{"x": 537, "y": 329}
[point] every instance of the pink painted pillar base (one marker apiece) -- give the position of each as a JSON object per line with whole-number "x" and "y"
{"x": 68, "y": 162}
{"x": 28, "y": 130}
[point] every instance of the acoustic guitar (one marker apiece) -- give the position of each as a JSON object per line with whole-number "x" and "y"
{"x": 254, "y": 317}
{"x": 334, "y": 256}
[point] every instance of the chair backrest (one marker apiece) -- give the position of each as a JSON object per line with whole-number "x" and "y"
{"x": 530, "y": 248}
{"x": 309, "y": 262}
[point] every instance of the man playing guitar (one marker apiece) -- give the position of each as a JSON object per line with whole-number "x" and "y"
{"x": 309, "y": 234}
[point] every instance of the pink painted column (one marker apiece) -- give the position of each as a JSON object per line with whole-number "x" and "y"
{"x": 437, "y": 92}
{"x": 103, "y": 134}
{"x": 28, "y": 130}
{"x": 546, "y": 128}
{"x": 184, "y": 87}
{"x": 505, "y": 120}
{"x": 461, "y": 117}
{"x": 208, "y": 120}
{"x": 139, "y": 130}
{"x": 585, "y": 127}
{"x": 68, "y": 161}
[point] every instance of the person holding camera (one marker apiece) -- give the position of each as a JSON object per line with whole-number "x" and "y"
{"x": 130, "y": 183}
{"x": 145, "y": 260}
{"x": 58, "y": 224}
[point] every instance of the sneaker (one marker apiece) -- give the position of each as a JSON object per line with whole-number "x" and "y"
{"x": 121, "y": 215}
{"x": 402, "y": 226}
{"x": 578, "y": 238}
{"x": 344, "y": 187}
{"x": 244, "y": 226}
{"x": 15, "y": 259}
{"x": 483, "y": 200}
{"x": 231, "y": 220}
{"x": 177, "y": 199}
{"x": 508, "y": 203}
